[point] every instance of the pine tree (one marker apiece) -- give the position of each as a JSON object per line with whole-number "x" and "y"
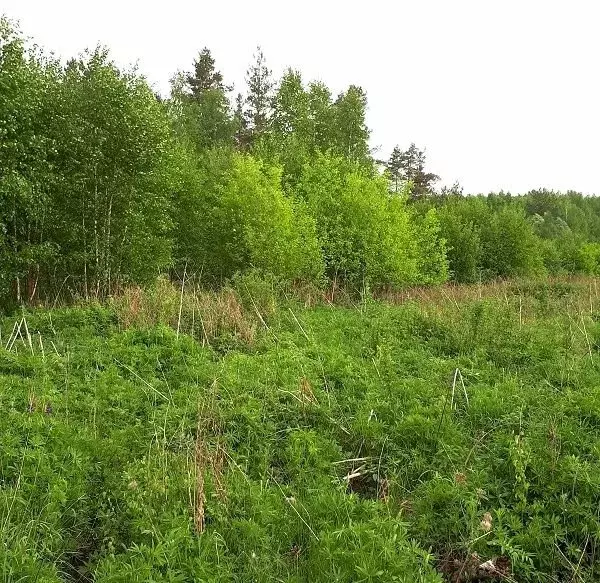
{"x": 394, "y": 168}
{"x": 260, "y": 97}
{"x": 409, "y": 166}
{"x": 242, "y": 138}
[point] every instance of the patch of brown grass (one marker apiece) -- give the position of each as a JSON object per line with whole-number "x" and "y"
{"x": 203, "y": 314}
{"x": 451, "y": 292}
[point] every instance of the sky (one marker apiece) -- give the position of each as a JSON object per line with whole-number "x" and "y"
{"x": 502, "y": 95}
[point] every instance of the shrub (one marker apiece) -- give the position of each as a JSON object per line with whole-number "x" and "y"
{"x": 464, "y": 245}
{"x": 510, "y": 247}
{"x": 365, "y": 233}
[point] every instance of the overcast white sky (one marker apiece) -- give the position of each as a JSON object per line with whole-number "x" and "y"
{"x": 502, "y": 94}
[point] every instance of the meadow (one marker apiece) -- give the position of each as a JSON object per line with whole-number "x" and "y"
{"x": 442, "y": 434}
{"x": 235, "y": 346}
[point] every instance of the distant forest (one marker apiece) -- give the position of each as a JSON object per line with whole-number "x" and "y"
{"x": 103, "y": 184}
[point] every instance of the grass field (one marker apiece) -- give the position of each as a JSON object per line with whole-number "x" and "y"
{"x": 446, "y": 435}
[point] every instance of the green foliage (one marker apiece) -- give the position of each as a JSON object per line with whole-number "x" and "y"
{"x": 259, "y": 107}
{"x": 111, "y": 199}
{"x": 85, "y": 174}
{"x": 200, "y": 108}
{"x": 186, "y": 435}
{"x": 509, "y": 245}
{"x": 292, "y": 140}
{"x": 306, "y": 123}
{"x": 26, "y": 84}
{"x": 365, "y": 233}
{"x": 463, "y": 239}
{"x": 231, "y": 215}
{"x": 490, "y": 238}
{"x": 267, "y": 231}
{"x": 351, "y": 133}
{"x": 431, "y": 246}
{"x": 589, "y": 258}
{"x": 205, "y": 122}
{"x": 199, "y": 234}
{"x": 400, "y": 443}
{"x": 104, "y": 184}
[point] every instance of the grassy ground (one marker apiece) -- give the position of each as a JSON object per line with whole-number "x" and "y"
{"x": 241, "y": 437}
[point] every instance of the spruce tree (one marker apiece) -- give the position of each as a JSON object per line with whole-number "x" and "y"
{"x": 242, "y": 138}
{"x": 205, "y": 77}
{"x": 202, "y": 108}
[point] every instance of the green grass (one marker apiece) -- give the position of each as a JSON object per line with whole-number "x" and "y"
{"x": 374, "y": 442}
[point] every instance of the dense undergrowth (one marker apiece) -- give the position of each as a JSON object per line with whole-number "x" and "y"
{"x": 242, "y": 436}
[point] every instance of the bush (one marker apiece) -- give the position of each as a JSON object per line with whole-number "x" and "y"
{"x": 510, "y": 246}
{"x": 266, "y": 234}
{"x": 365, "y": 234}
{"x": 233, "y": 216}
{"x": 433, "y": 264}
{"x": 464, "y": 245}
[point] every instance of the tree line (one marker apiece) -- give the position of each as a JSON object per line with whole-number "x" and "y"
{"x": 542, "y": 232}
{"x": 103, "y": 183}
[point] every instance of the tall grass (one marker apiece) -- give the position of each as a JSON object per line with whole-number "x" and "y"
{"x": 241, "y": 435}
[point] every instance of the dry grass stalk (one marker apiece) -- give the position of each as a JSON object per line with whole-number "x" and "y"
{"x": 31, "y": 407}
{"x": 217, "y": 463}
{"x": 457, "y": 293}
{"x": 199, "y": 495}
{"x": 208, "y": 461}
{"x": 383, "y": 490}
{"x": 181, "y": 301}
{"x": 307, "y": 395}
